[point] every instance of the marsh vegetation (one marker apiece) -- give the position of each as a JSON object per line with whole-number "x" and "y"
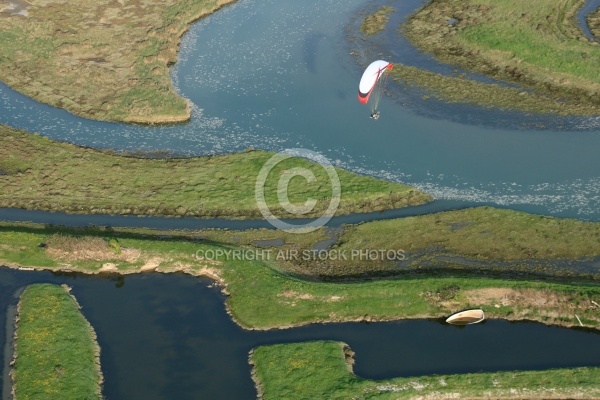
{"x": 56, "y": 352}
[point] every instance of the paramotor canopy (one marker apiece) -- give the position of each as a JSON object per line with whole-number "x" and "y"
{"x": 371, "y": 82}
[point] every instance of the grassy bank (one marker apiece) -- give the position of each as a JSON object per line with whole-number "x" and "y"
{"x": 461, "y": 89}
{"x": 263, "y": 293}
{"x": 38, "y": 173}
{"x": 537, "y": 45}
{"x": 481, "y": 240}
{"x": 98, "y": 58}
{"x": 483, "y": 233}
{"x": 485, "y": 238}
{"x": 319, "y": 370}
{"x": 56, "y": 353}
{"x": 593, "y": 21}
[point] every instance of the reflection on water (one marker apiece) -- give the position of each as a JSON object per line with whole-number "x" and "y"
{"x": 78, "y": 220}
{"x": 168, "y": 336}
{"x": 280, "y": 74}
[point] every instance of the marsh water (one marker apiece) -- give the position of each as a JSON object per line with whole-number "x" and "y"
{"x": 169, "y": 337}
{"x": 279, "y": 74}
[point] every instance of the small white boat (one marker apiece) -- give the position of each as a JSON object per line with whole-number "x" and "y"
{"x": 466, "y": 317}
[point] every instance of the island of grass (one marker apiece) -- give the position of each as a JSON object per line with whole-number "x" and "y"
{"x": 535, "y": 44}
{"x": 377, "y": 21}
{"x": 56, "y": 352}
{"x": 323, "y": 370}
{"x": 268, "y": 288}
{"x": 38, "y": 173}
{"x": 493, "y": 241}
{"x": 100, "y": 59}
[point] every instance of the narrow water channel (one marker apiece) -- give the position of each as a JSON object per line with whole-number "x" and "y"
{"x": 190, "y": 223}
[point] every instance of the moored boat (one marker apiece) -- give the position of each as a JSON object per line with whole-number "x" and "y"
{"x": 466, "y": 317}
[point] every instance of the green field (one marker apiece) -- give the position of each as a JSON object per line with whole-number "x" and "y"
{"x": 483, "y": 233}
{"x": 38, "y": 173}
{"x": 323, "y": 370}
{"x": 536, "y": 44}
{"x": 483, "y": 237}
{"x": 56, "y": 353}
{"x": 265, "y": 293}
{"x": 100, "y": 59}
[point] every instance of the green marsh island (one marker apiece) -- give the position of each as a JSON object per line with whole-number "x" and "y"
{"x": 56, "y": 353}
{"x": 41, "y": 174}
{"x": 106, "y": 60}
{"x": 324, "y": 369}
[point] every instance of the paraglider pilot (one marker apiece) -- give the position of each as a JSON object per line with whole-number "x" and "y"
{"x": 371, "y": 82}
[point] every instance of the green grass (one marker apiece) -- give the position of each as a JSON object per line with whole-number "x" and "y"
{"x": 262, "y": 297}
{"x": 57, "y": 356}
{"x": 482, "y": 233}
{"x": 100, "y": 59}
{"x": 264, "y": 294}
{"x": 481, "y": 239}
{"x": 461, "y": 89}
{"x": 43, "y": 174}
{"x": 537, "y": 44}
{"x": 322, "y": 370}
{"x": 377, "y": 21}
{"x": 549, "y": 46}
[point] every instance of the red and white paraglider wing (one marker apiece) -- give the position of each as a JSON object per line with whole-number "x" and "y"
{"x": 370, "y": 78}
